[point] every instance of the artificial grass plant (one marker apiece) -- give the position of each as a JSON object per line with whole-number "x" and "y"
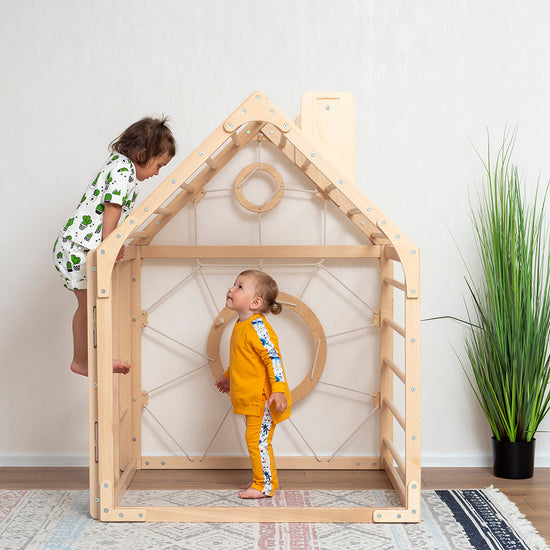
{"x": 508, "y": 336}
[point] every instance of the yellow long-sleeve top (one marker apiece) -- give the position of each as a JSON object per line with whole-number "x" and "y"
{"x": 255, "y": 368}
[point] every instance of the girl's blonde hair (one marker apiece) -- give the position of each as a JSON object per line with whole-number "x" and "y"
{"x": 267, "y": 290}
{"x": 145, "y": 139}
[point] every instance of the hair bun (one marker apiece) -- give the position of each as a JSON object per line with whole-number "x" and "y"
{"x": 276, "y": 307}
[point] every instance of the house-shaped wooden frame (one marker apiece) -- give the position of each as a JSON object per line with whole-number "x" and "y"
{"x": 116, "y": 318}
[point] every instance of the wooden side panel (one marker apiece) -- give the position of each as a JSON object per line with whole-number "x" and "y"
{"x": 328, "y": 120}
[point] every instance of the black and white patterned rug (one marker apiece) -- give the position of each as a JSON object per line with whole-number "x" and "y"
{"x": 480, "y": 519}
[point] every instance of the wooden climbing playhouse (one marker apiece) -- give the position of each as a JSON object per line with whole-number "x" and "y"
{"x": 321, "y": 144}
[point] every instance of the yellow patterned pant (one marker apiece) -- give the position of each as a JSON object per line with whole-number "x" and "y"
{"x": 259, "y": 433}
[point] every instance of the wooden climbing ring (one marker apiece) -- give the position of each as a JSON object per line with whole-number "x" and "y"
{"x": 245, "y": 173}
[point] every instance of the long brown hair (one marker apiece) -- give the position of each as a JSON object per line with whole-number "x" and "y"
{"x": 145, "y": 139}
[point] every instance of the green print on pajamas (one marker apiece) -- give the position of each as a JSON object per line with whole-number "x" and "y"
{"x": 83, "y": 231}
{"x": 70, "y": 262}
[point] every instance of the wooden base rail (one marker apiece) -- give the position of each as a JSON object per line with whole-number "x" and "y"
{"x": 249, "y": 514}
{"x": 243, "y": 463}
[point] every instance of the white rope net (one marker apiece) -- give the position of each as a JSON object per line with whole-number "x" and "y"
{"x": 172, "y": 326}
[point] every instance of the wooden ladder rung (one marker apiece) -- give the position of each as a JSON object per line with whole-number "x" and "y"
{"x": 398, "y": 328}
{"x": 139, "y": 235}
{"x": 396, "y": 414}
{"x": 395, "y": 479}
{"x": 394, "y": 283}
{"x": 212, "y": 163}
{"x": 235, "y": 139}
{"x": 395, "y": 453}
{"x": 378, "y": 235}
{"x": 163, "y": 211}
{"x": 398, "y": 372}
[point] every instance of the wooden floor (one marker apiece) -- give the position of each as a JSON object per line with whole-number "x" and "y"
{"x": 532, "y": 496}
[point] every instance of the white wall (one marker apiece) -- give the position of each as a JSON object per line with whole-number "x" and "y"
{"x": 429, "y": 79}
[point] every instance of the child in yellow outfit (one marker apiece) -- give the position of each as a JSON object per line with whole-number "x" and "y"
{"x": 255, "y": 377}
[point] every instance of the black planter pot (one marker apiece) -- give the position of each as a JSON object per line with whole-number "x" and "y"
{"x": 513, "y": 459}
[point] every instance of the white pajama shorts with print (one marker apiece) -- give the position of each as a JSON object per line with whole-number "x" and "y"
{"x": 70, "y": 262}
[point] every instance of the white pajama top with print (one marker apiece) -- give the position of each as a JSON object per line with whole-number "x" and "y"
{"x": 116, "y": 183}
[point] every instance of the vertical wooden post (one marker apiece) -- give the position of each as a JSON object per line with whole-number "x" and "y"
{"x": 105, "y": 401}
{"x": 115, "y": 313}
{"x": 386, "y": 352}
{"x": 92, "y": 386}
{"x": 412, "y": 385}
{"x": 124, "y": 353}
{"x": 136, "y": 329}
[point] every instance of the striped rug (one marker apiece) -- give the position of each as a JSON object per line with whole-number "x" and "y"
{"x": 455, "y": 520}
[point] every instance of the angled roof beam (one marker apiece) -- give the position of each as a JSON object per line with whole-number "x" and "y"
{"x": 257, "y": 109}
{"x": 329, "y": 189}
{"x": 194, "y": 187}
{"x": 347, "y": 197}
{"x": 109, "y": 248}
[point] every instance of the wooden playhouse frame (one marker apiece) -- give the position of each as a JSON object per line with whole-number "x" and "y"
{"x": 116, "y": 318}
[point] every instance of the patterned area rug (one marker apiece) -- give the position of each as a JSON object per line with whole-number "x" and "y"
{"x": 454, "y": 520}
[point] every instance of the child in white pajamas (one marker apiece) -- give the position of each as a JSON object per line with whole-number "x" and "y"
{"x": 137, "y": 154}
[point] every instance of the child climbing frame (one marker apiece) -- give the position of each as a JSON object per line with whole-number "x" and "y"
{"x": 321, "y": 145}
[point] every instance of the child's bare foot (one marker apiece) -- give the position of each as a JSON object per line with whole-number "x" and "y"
{"x": 247, "y": 486}
{"x": 251, "y": 493}
{"x": 119, "y": 367}
{"x": 79, "y": 368}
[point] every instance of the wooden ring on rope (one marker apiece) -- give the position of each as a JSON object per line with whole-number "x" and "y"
{"x": 309, "y": 318}
{"x": 247, "y": 172}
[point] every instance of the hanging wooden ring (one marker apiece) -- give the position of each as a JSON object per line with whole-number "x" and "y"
{"x": 245, "y": 173}
{"x": 310, "y": 319}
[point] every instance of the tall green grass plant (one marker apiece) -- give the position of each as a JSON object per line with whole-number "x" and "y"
{"x": 508, "y": 336}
